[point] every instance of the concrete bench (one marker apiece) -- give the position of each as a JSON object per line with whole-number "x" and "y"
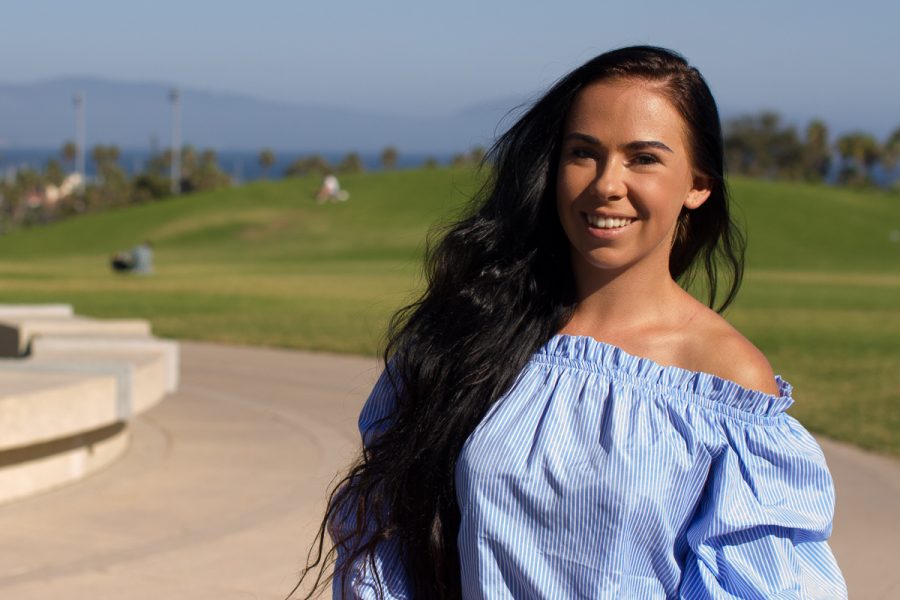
{"x": 16, "y": 332}
{"x": 106, "y": 347}
{"x": 44, "y": 442}
{"x": 36, "y": 310}
{"x": 41, "y": 405}
{"x": 28, "y": 471}
{"x": 62, "y": 418}
{"x": 65, "y": 406}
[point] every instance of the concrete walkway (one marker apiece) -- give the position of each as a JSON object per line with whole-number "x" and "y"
{"x": 222, "y": 487}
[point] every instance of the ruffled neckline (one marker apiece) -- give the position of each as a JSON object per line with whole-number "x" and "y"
{"x": 588, "y": 353}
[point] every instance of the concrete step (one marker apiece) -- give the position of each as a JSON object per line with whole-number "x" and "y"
{"x": 56, "y": 427}
{"x": 16, "y": 332}
{"x": 41, "y": 404}
{"x": 83, "y": 347}
{"x": 36, "y": 310}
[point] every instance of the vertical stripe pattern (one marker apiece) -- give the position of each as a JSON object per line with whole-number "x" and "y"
{"x": 604, "y": 475}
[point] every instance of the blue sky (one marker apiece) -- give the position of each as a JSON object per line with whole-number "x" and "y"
{"x": 836, "y": 60}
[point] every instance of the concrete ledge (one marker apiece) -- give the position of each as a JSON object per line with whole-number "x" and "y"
{"x": 41, "y": 405}
{"x": 58, "y": 346}
{"x": 65, "y": 407}
{"x": 41, "y": 467}
{"x": 58, "y": 414}
{"x": 16, "y": 332}
{"x": 141, "y": 374}
{"x": 35, "y": 310}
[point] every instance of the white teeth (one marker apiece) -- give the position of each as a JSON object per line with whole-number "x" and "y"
{"x": 607, "y": 223}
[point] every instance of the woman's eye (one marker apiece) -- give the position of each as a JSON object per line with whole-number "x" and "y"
{"x": 581, "y": 153}
{"x": 644, "y": 159}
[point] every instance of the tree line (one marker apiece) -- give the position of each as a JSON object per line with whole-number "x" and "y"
{"x": 762, "y": 145}
{"x": 352, "y": 162}
{"x": 31, "y": 196}
{"x": 756, "y": 145}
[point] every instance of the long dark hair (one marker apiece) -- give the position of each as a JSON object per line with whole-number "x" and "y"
{"x": 499, "y": 286}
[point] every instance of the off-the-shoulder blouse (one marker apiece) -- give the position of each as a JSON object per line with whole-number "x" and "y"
{"x": 604, "y": 475}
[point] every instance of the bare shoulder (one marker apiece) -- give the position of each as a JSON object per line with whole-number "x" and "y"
{"x": 718, "y": 348}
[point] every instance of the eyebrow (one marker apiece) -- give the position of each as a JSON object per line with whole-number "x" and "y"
{"x": 631, "y": 146}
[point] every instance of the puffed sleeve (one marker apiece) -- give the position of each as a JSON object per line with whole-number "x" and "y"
{"x": 762, "y": 525}
{"x": 385, "y": 570}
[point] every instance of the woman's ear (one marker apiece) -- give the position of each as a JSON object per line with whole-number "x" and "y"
{"x": 699, "y": 192}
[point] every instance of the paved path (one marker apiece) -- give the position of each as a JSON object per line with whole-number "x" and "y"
{"x": 222, "y": 486}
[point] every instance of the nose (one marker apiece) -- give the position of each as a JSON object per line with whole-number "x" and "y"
{"x": 609, "y": 182}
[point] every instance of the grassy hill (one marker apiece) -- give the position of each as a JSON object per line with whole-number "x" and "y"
{"x": 262, "y": 264}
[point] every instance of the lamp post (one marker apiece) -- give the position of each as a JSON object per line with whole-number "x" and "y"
{"x": 80, "y": 128}
{"x": 175, "y": 98}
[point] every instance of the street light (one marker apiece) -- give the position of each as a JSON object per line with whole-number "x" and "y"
{"x": 80, "y": 127}
{"x": 175, "y": 98}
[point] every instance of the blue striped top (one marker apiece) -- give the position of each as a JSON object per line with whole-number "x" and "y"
{"x": 604, "y": 475}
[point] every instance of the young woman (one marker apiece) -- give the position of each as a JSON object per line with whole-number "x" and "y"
{"x": 558, "y": 417}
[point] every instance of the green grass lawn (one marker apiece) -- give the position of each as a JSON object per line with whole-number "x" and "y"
{"x": 262, "y": 264}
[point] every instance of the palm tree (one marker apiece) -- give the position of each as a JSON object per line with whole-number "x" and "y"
{"x": 112, "y": 187}
{"x": 314, "y": 163}
{"x": 189, "y": 161}
{"x": 859, "y": 152}
{"x": 892, "y": 150}
{"x": 69, "y": 152}
{"x": 816, "y": 153}
{"x": 351, "y": 163}
{"x": 53, "y": 172}
{"x": 266, "y": 160}
{"x": 208, "y": 175}
{"x": 459, "y": 160}
{"x": 760, "y": 145}
{"x": 389, "y": 158}
{"x": 105, "y": 158}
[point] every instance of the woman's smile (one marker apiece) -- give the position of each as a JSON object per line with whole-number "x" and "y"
{"x": 607, "y": 227}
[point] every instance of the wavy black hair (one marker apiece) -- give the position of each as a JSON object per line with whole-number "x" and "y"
{"x": 500, "y": 285}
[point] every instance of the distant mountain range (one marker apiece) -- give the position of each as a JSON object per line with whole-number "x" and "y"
{"x": 138, "y": 115}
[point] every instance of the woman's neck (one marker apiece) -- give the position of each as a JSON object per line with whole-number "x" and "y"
{"x": 614, "y": 303}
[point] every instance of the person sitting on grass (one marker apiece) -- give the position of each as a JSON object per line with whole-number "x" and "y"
{"x": 137, "y": 260}
{"x": 330, "y": 191}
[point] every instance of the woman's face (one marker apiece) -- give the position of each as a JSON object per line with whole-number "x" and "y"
{"x": 624, "y": 175}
